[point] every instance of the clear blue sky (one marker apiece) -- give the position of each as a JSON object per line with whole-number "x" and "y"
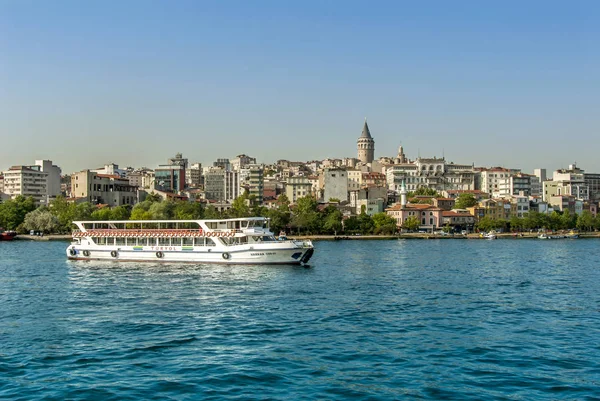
{"x": 512, "y": 83}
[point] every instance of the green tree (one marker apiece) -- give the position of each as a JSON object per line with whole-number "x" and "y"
{"x": 152, "y": 198}
{"x": 568, "y": 220}
{"x": 13, "y": 211}
{"x": 487, "y": 224}
{"x": 411, "y": 223}
{"x": 464, "y": 201}
{"x": 305, "y": 216}
{"x": 351, "y": 224}
{"x": 516, "y": 223}
{"x": 332, "y": 220}
{"x": 283, "y": 203}
{"x": 162, "y": 210}
{"x": 554, "y": 221}
{"x": 279, "y": 219}
{"x": 585, "y": 221}
{"x": 141, "y": 211}
{"x": 101, "y": 214}
{"x": 211, "y": 212}
{"x": 384, "y": 223}
{"x": 188, "y": 210}
{"x": 241, "y": 206}
{"x": 423, "y": 191}
{"x": 42, "y": 220}
{"x": 366, "y": 223}
{"x": 122, "y": 212}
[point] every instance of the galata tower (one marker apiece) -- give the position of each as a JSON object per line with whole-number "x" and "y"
{"x": 366, "y": 145}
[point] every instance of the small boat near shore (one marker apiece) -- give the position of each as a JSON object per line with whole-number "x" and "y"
{"x": 490, "y": 235}
{"x": 7, "y": 235}
{"x": 228, "y": 241}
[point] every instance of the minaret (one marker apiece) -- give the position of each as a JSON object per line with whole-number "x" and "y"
{"x": 403, "y": 194}
{"x": 366, "y": 145}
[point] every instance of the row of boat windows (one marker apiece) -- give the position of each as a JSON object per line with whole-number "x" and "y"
{"x": 186, "y": 241}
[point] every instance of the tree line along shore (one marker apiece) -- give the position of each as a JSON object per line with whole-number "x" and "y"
{"x": 306, "y": 218}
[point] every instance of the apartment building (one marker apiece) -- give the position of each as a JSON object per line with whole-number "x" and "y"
{"x": 26, "y": 181}
{"x": 111, "y": 190}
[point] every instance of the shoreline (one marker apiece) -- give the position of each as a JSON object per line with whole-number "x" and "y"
{"x": 68, "y": 237}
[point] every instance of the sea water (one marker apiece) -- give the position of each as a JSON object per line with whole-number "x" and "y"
{"x": 514, "y": 319}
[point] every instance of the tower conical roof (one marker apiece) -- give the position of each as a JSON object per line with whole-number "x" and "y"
{"x": 365, "y": 132}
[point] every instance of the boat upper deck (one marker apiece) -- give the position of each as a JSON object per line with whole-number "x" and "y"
{"x": 172, "y": 228}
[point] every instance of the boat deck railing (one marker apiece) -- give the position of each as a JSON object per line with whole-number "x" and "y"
{"x": 162, "y": 232}
{"x": 135, "y": 233}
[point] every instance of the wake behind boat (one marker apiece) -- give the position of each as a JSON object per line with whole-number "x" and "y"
{"x": 231, "y": 241}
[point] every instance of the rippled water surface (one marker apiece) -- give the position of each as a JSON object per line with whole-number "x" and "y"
{"x": 420, "y": 319}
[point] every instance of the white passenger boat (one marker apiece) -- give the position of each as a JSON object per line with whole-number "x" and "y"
{"x": 231, "y": 241}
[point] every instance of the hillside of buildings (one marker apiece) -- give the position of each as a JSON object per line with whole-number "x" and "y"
{"x": 349, "y": 195}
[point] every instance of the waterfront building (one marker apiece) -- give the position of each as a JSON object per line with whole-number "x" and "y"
{"x": 370, "y": 206}
{"x": 331, "y": 163}
{"x": 458, "y": 219}
{"x": 565, "y": 202}
{"x": 241, "y": 161}
{"x": 52, "y": 179}
{"x": 497, "y": 209}
{"x": 374, "y": 179}
{"x": 354, "y": 179}
{"x": 26, "y": 181}
{"x": 366, "y": 145}
{"x": 429, "y": 216}
{"x": 370, "y": 196}
{"x": 193, "y": 175}
{"x": 406, "y": 173}
{"x": 433, "y": 173}
{"x": 251, "y": 178}
{"x": 592, "y": 181}
{"x": 221, "y": 185}
{"x": 169, "y": 178}
{"x": 566, "y": 182}
{"x": 516, "y": 184}
{"x": 490, "y": 178}
{"x": 178, "y": 160}
{"x": 141, "y": 178}
{"x": 519, "y": 205}
{"x": 110, "y": 169}
{"x": 222, "y": 163}
{"x": 297, "y": 187}
{"x": 111, "y": 190}
{"x": 540, "y": 173}
{"x": 335, "y": 184}
{"x": 313, "y": 165}
{"x": 444, "y": 203}
{"x": 350, "y": 162}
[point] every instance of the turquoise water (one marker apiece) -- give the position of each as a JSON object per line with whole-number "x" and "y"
{"x": 379, "y": 320}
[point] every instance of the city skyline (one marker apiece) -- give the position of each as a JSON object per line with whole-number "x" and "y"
{"x": 497, "y": 84}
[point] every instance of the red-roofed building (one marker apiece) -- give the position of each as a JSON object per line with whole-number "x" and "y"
{"x": 429, "y": 216}
{"x": 458, "y": 219}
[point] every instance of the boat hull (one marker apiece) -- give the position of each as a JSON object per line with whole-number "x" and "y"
{"x": 247, "y": 256}
{"x": 7, "y": 236}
